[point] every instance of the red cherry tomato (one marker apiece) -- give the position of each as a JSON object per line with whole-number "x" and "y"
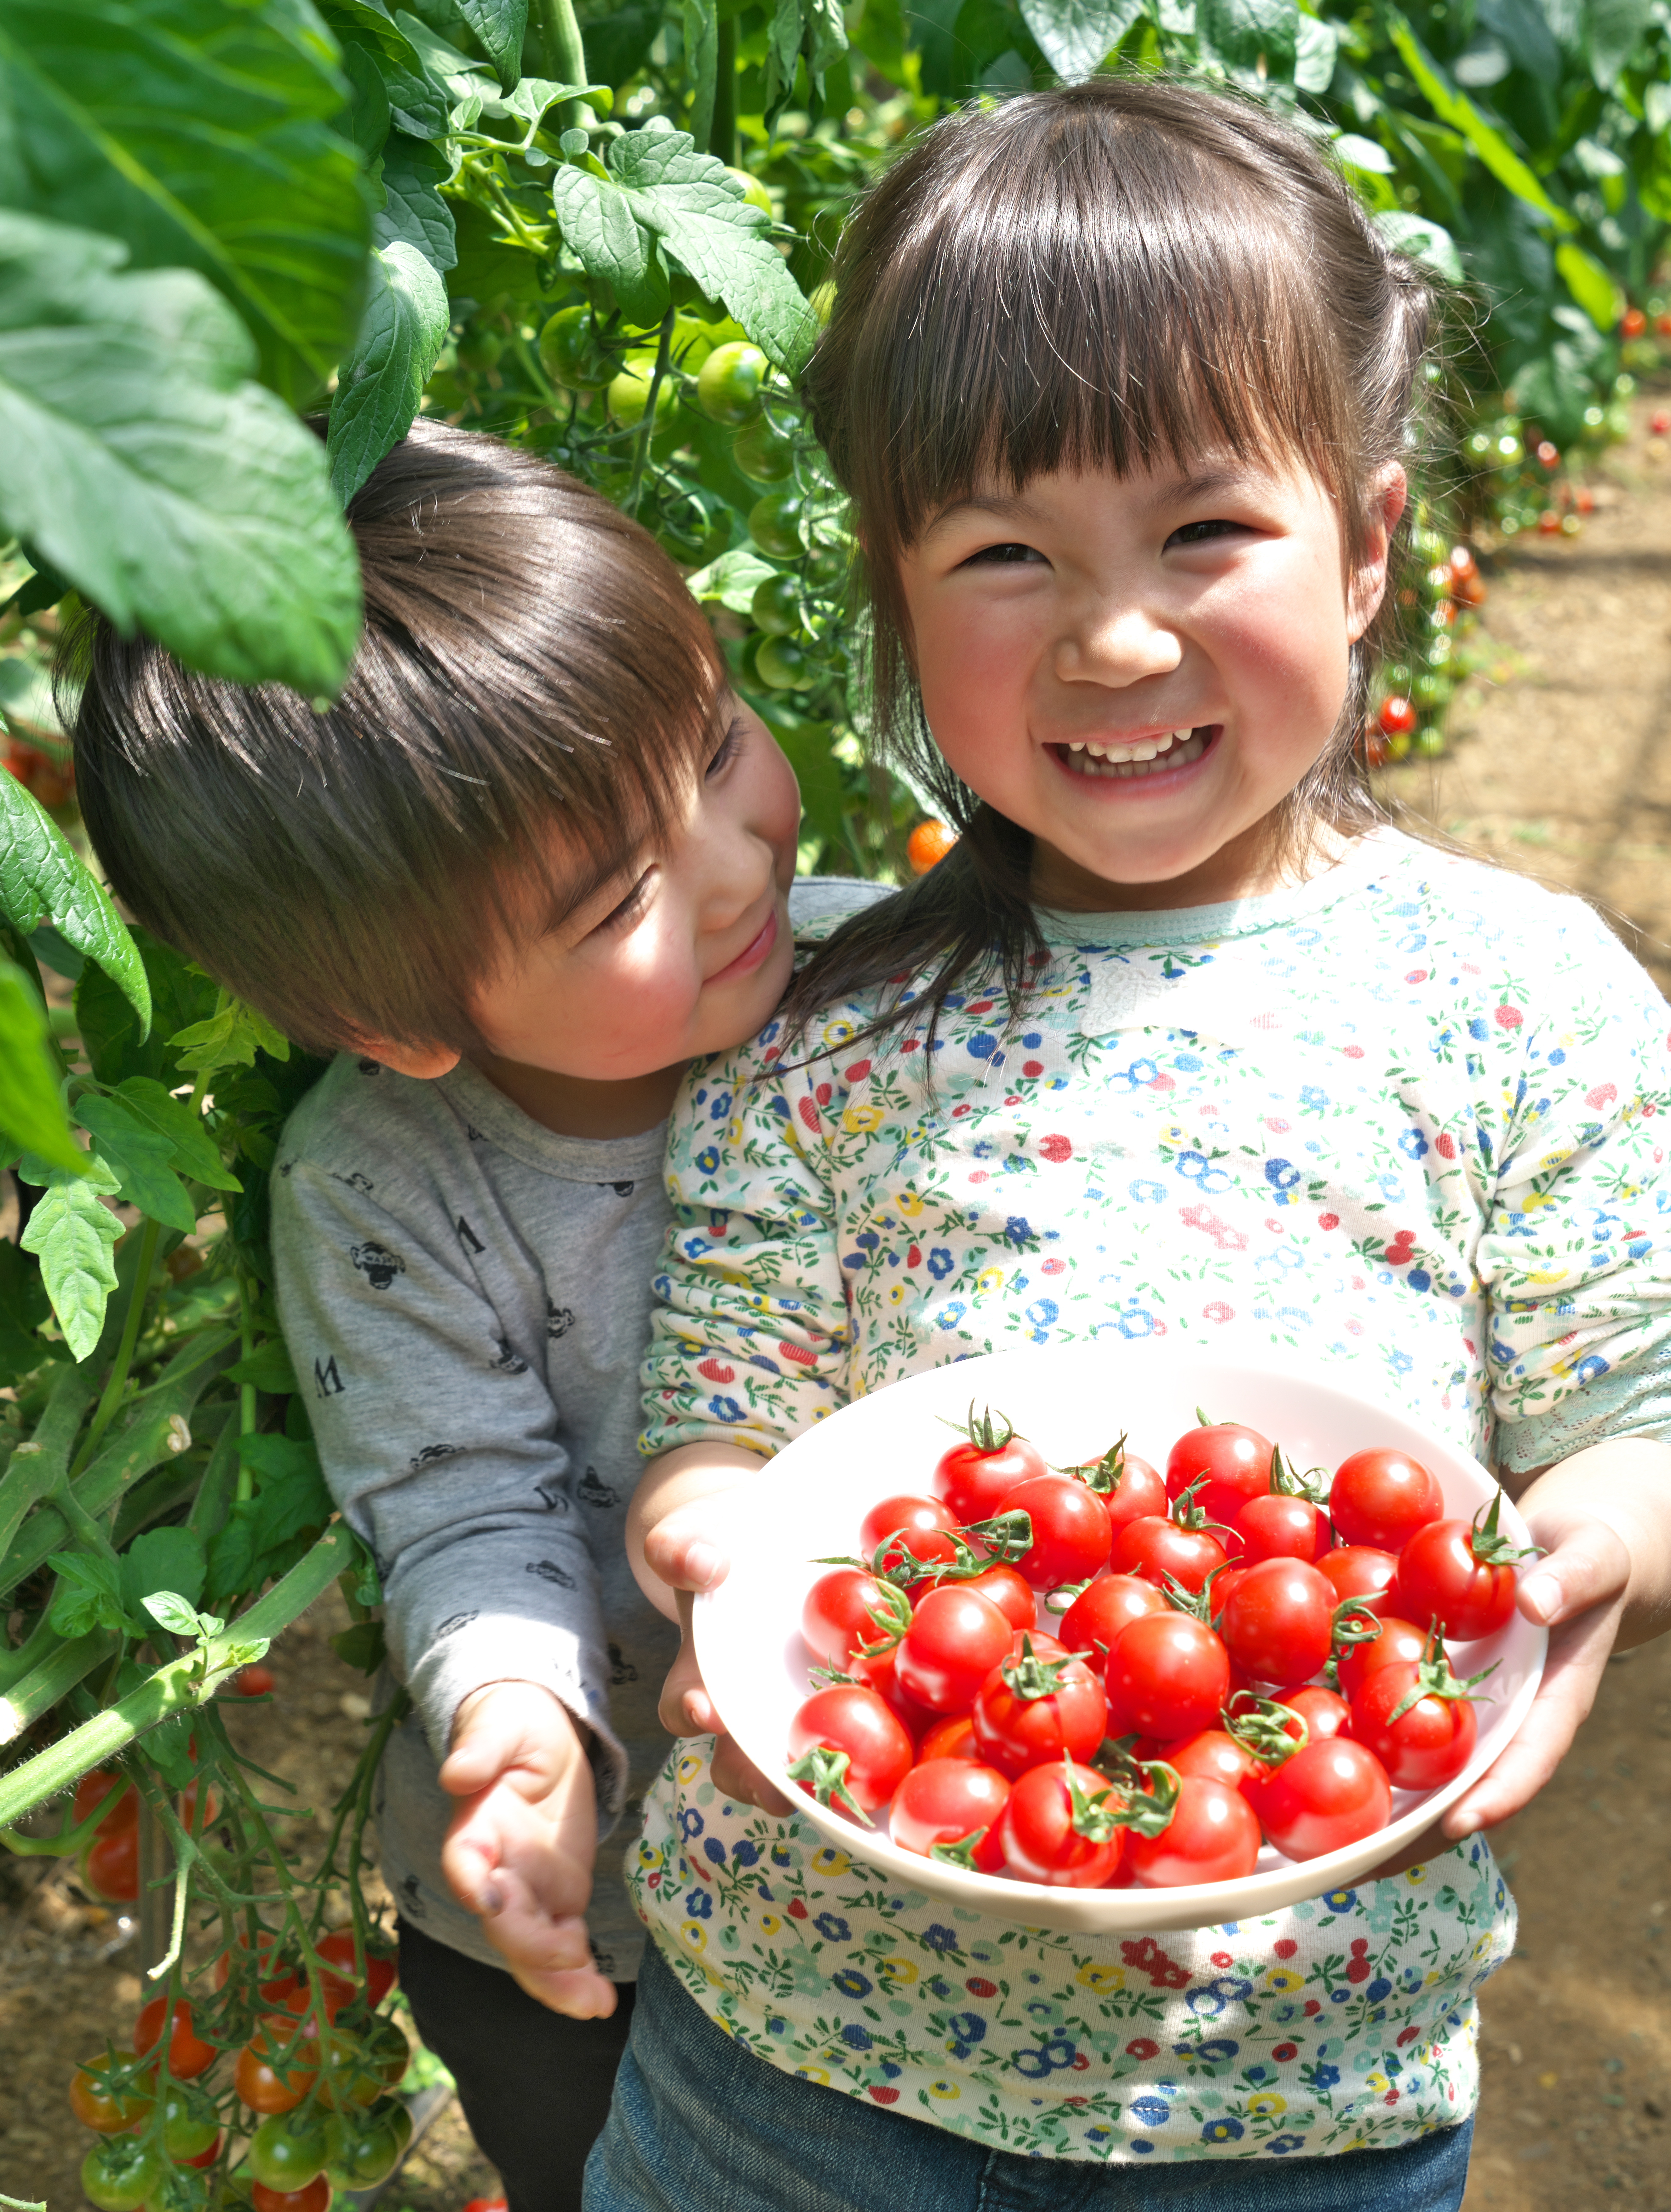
{"x": 1399, "y": 1640}
{"x": 1071, "y": 1534}
{"x": 1213, "y": 1755}
{"x": 1168, "y": 1676}
{"x": 1044, "y": 1646}
{"x": 314, "y": 2198}
{"x": 109, "y": 1866}
{"x": 1280, "y": 1528}
{"x": 1325, "y": 1714}
{"x": 881, "y": 1674}
{"x": 110, "y": 2111}
{"x": 944, "y": 1801}
{"x": 1152, "y": 1549}
{"x": 264, "y": 2086}
{"x": 847, "y": 1749}
{"x": 843, "y": 1609}
{"x": 1012, "y": 1596}
{"x": 1360, "y": 1571}
{"x": 381, "y": 1969}
{"x": 974, "y": 1476}
{"x": 91, "y": 1792}
{"x": 1034, "y": 1709}
{"x": 1278, "y": 1623}
{"x": 951, "y": 1738}
{"x": 956, "y": 1638}
{"x": 254, "y": 1681}
{"x": 1425, "y": 1747}
{"x": 1381, "y": 1497}
{"x": 919, "y": 1525}
{"x": 1324, "y": 1797}
{"x": 1443, "y": 1576}
{"x": 1398, "y": 717}
{"x": 1104, "y": 1608}
{"x": 1212, "y": 1836}
{"x": 188, "y": 2054}
{"x": 1236, "y": 1462}
{"x": 1055, "y": 1832}
{"x": 223, "y": 1965}
{"x": 1127, "y": 1486}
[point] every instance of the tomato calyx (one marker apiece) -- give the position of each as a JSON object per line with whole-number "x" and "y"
{"x": 1198, "y": 1604}
{"x": 896, "y": 1610}
{"x": 1263, "y": 1728}
{"x": 1154, "y": 1788}
{"x": 1185, "y": 1514}
{"x": 1104, "y": 1475}
{"x": 984, "y": 1435}
{"x": 1066, "y": 1595}
{"x": 1007, "y": 1536}
{"x": 1288, "y": 1482}
{"x": 1030, "y": 1677}
{"x": 824, "y": 1773}
{"x": 1489, "y": 1546}
{"x": 1353, "y": 1623}
{"x": 1433, "y": 1679}
{"x": 962, "y": 1853}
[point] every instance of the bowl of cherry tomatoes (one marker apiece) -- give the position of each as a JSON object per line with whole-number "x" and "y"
{"x": 1166, "y": 1643}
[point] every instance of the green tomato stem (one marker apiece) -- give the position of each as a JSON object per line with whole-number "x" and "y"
{"x": 722, "y": 133}
{"x": 646, "y": 426}
{"x": 38, "y": 1466}
{"x": 565, "y": 57}
{"x": 105, "y": 1411}
{"x": 39, "y": 1691}
{"x": 177, "y": 1685}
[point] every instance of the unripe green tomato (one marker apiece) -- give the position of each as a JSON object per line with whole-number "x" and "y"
{"x": 118, "y": 2175}
{"x": 366, "y": 2146}
{"x": 630, "y": 394}
{"x": 775, "y": 607}
{"x": 728, "y": 383}
{"x": 827, "y": 566}
{"x": 753, "y": 190}
{"x": 1398, "y": 747}
{"x": 190, "y": 2121}
{"x": 1396, "y": 675}
{"x": 785, "y": 666}
{"x": 180, "y": 2189}
{"x": 570, "y": 354}
{"x": 1430, "y": 742}
{"x": 479, "y": 350}
{"x": 761, "y": 456}
{"x": 287, "y": 2150}
{"x": 1430, "y": 689}
{"x": 774, "y": 524}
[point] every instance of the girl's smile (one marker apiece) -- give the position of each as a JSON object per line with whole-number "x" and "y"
{"x": 1139, "y": 670}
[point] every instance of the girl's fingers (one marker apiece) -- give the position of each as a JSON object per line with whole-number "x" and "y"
{"x": 682, "y": 1551}
{"x": 685, "y": 1708}
{"x": 1586, "y": 1566}
{"x": 736, "y": 1775}
{"x": 1578, "y": 1653}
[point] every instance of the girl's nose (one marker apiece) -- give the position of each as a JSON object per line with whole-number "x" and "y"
{"x": 1116, "y": 645}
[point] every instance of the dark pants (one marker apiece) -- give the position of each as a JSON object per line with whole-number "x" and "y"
{"x": 535, "y": 2087}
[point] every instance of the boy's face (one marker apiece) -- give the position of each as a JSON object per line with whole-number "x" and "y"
{"x": 683, "y": 953}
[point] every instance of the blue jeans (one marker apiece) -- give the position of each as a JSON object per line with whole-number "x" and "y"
{"x": 697, "y": 2121}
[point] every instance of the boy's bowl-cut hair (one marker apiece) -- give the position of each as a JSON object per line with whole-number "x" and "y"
{"x": 533, "y": 691}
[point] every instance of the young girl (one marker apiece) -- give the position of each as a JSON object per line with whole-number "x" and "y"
{"x": 1179, "y": 1043}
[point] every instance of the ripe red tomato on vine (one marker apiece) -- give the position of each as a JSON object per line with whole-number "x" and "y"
{"x": 974, "y": 1476}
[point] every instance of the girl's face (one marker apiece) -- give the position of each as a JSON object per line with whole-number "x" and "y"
{"x": 1140, "y": 669}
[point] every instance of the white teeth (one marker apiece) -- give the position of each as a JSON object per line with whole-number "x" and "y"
{"x": 1131, "y": 759}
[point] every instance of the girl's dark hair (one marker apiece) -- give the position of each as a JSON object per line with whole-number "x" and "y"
{"x": 531, "y": 691}
{"x": 1121, "y": 273}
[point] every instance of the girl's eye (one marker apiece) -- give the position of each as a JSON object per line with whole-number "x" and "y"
{"x": 1198, "y": 533}
{"x": 1002, "y": 556}
{"x": 730, "y": 745}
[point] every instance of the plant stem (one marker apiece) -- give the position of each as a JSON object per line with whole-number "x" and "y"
{"x": 105, "y": 1411}
{"x": 722, "y": 137}
{"x": 177, "y": 1685}
{"x": 37, "y": 1467}
{"x": 642, "y": 443}
{"x": 565, "y": 57}
{"x": 38, "y": 1691}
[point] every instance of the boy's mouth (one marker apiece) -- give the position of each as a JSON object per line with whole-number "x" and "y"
{"x": 1130, "y": 759}
{"x": 752, "y": 955}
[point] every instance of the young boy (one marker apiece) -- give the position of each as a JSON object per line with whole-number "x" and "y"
{"x": 534, "y": 860}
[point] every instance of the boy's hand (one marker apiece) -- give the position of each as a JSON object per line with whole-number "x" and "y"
{"x": 681, "y": 1552}
{"x": 520, "y": 1847}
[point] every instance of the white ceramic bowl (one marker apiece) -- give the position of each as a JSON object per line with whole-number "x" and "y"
{"x": 807, "y": 1504}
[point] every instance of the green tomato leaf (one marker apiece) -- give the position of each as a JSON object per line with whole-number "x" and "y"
{"x": 1077, "y": 36}
{"x": 203, "y": 135}
{"x": 109, "y": 1028}
{"x": 73, "y": 1235}
{"x": 26, "y": 695}
{"x": 164, "y": 1563}
{"x": 230, "y": 1037}
{"x": 361, "y": 1646}
{"x": 194, "y": 1152}
{"x": 43, "y": 878}
{"x": 265, "y": 1535}
{"x": 1363, "y": 154}
{"x": 1591, "y": 285}
{"x": 1422, "y": 241}
{"x": 734, "y": 579}
{"x": 535, "y": 95}
{"x": 382, "y": 380}
{"x": 418, "y": 102}
{"x": 815, "y": 28}
{"x": 822, "y": 798}
{"x": 701, "y": 61}
{"x": 1456, "y": 109}
{"x": 32, "y": 1114}
{"x": 462, "y": 78}
{"x": 1614, "y": 27}
{"x": 141, "y": 1156}
{"x": 268, "y": 1368}
{"x": 659, "y": 190}
{"x": 368, "y": 101}
{"x": 179, "y": 496}
{"x": 1256, "y": 40}
{"x": 168, "y": 1608}
{"x": 501, "y": 25}
{"x": 414, "y": 212}
{"x": 1315, "y": 53}
{"x": 89, "y": 1593}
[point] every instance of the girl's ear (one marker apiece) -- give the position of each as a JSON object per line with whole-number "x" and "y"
{"x": 426, "y": 1062}
{"x": 1387, "y": 491}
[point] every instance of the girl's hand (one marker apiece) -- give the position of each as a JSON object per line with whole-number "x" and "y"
{"x": 681, "y": 1550}
{"x": 1604, "y": 1580}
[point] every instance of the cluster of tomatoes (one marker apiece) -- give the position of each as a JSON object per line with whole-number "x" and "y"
{"x": 319, "y": 2118}
{"x": 50, "y": 777}
{"x": 1236, "y": 1654}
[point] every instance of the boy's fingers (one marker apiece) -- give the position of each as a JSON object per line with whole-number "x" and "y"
{"x": 551, "y": 1958}
{"x": 517, "y": 1729}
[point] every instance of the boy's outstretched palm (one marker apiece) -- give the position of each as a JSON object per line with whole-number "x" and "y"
{"x": 520, "y": 1848}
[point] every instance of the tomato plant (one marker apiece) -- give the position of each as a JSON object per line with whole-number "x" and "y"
{"x": 286, "y": 2150}
{"x": 188, "y": 2054}
{"x": 118, "y": 2175}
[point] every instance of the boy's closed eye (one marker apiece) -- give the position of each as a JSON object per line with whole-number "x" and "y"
{"x": 627, "y": 910}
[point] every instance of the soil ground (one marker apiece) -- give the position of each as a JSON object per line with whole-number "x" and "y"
{"x": 1561, "y": 769}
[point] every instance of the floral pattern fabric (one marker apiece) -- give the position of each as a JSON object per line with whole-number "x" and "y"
{"x": 1404, "y": 1121}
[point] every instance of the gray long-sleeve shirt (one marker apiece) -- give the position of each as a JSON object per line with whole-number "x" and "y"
{"x": 465, "y": 1296}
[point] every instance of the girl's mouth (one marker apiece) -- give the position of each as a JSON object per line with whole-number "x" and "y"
{"x": 1134, "y": 758}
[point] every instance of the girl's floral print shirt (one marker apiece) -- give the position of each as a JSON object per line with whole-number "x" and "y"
{"x": 1404, "y": 1119}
